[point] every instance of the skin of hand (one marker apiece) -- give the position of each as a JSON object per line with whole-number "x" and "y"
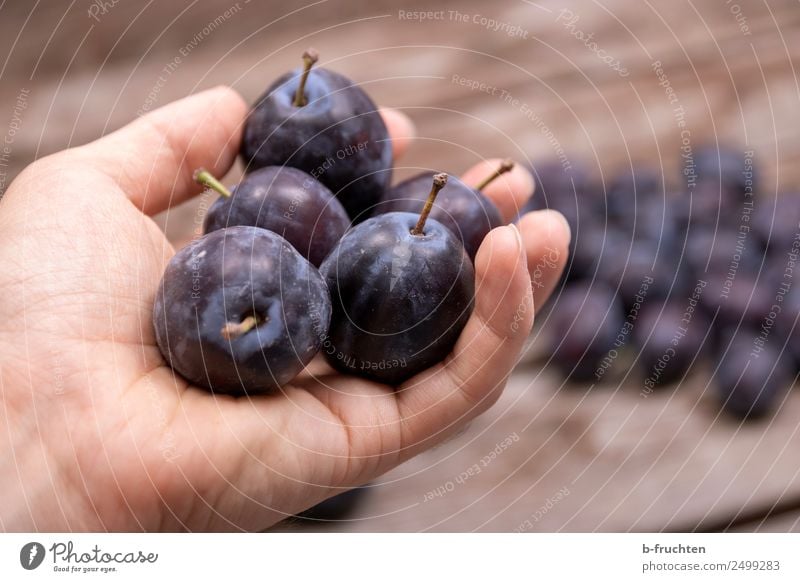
{"x": 97, "y": 431}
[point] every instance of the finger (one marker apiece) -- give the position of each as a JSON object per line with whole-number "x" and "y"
{"x": 545, "y": 235}
{"x": 154, "y": 157}
{"x": 437, "y": 402}
{"x": 272, "y": 456}
{"x": 361, "y": 429}
{"x": 401, "y": 130}
{"x": 509, "y": 191}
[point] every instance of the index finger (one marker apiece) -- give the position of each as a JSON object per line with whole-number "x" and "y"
{"x": 401, "y": 130}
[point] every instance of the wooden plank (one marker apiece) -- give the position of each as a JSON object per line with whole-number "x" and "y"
{"x": 784, "y": 523}
{"x": 599, "y": 460}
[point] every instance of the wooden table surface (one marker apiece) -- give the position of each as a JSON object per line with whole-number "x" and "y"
{"x": 579, "y": 460}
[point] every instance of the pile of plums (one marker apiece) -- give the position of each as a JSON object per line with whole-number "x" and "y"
{"x": 665, "y": 276}
{"x": 314, "y": 251}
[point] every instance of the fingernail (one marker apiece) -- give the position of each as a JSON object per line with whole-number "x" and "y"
{"x": 518, "y": 235}
{"x": 563, "y": 220}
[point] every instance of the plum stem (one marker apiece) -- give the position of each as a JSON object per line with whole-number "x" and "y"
{"x": 233, "y": 330}
{"x": 505, "y": 166}
{"x": 205, "y": 178}
{"x": 439, "y": 181}
{"x": 309, "y": 58}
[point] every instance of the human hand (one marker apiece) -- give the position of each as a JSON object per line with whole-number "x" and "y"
{"x": 100, "y": 434}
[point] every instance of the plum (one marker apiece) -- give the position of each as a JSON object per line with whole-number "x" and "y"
{"x": 751, "y": 376}
{"x": 595, "y": 249}
{"x": 584, "y": 327}
{"x": 566, "y": 189}
{"x": 320, "y": 122}
{"x": 711, "y": 251}
{"x": 240, "y": 312}
{"x": 731, "y": 170}
{"x": 402, "y": 288}
{"x": 284, "y": 200}
{"x": 746, "y": 298}
{"x": 629, "y": 190}
{"x": 461, "y": 208}
{"x": 787, "y": 324}
{"x": 335, "y": 508}
{"x": 776, "y": 222}
{"x": 669, "y": 337}
{"x": 646, "y": 270}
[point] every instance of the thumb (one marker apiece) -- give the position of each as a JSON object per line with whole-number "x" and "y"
{"x": 153, "y": 158}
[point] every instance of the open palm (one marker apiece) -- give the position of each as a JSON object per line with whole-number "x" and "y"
{"x": 101, "y": 434}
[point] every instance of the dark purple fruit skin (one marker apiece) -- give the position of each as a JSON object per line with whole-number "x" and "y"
{"x": 645, "y": 271}
{"x": 775, "y": 222}
{"x": 750, "y": 385}
{"x": 709, "y": 205}
{"x": 710, "y": 253}
{"x": 629, "y": 190}
{"x": 286, "y": 201}
{"x": 747, "y": 300}
{"x": 787, "y": 327}
{"x": 464, "y": 210}
{"x": 585, "y": 323}
{"x": 338, "y": 137}
{"x": 727, "y": 168}
{"x": 569, "y": 191}
{"x": 595, "y": 250}
{"x": 225, "y": 276}
{"x": 335, "y": 508}
{"x": 399, "y": 300}
{"x": 669, "y": 340}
